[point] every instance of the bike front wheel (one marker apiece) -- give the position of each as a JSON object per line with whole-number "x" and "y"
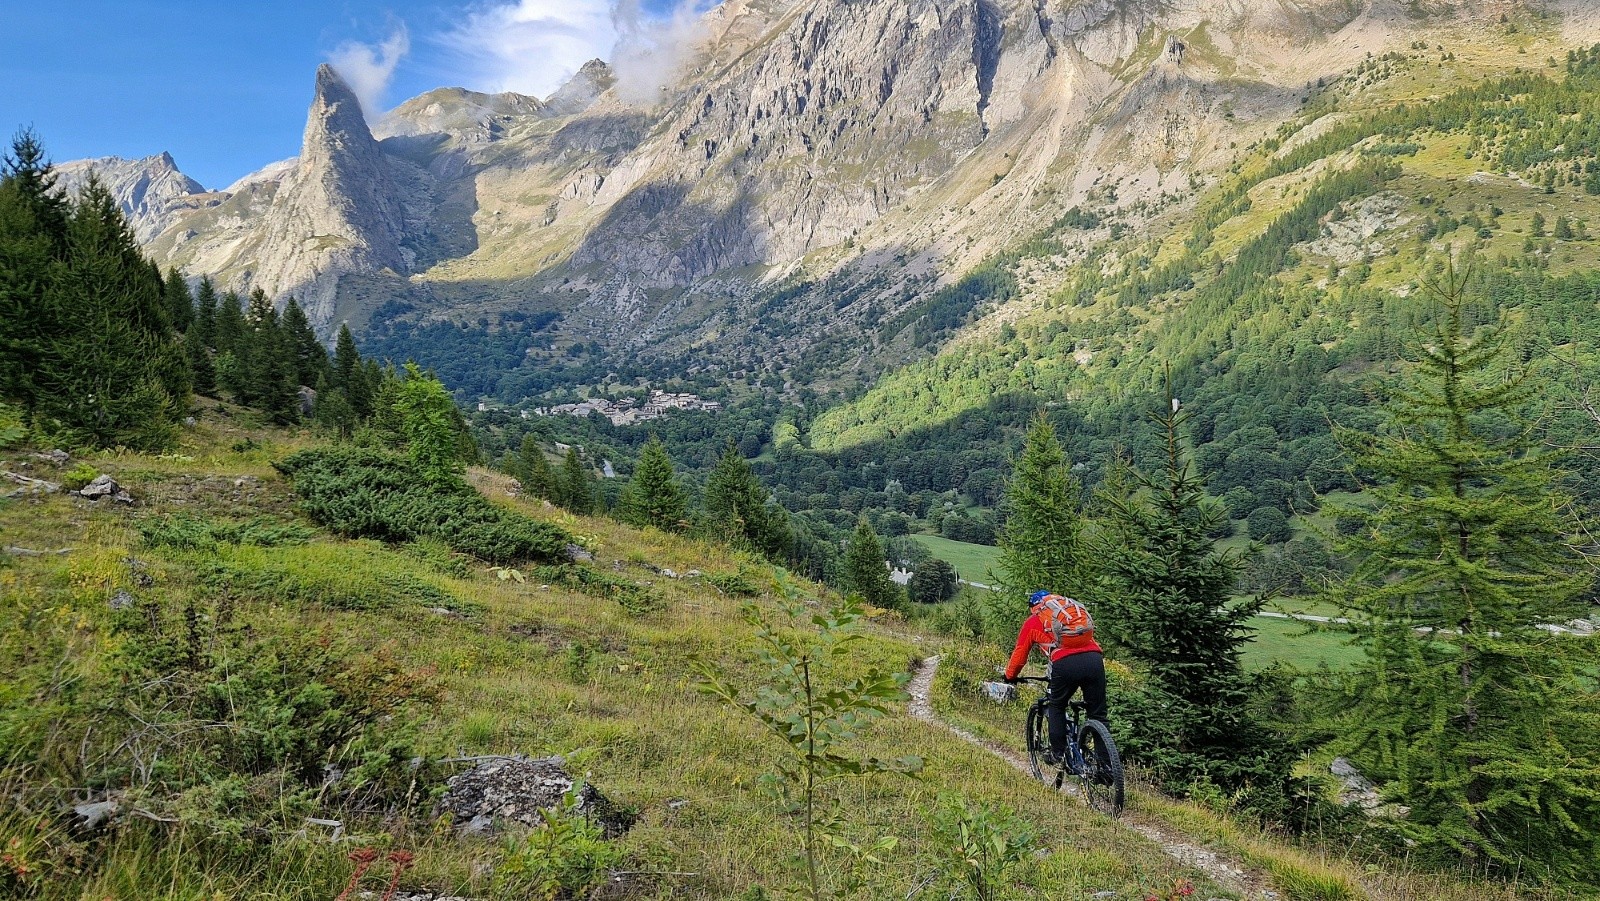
{"x": 1102, "y": 768}
{"x": 1038, "y": 739}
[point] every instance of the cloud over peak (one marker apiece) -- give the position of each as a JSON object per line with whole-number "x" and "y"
{"x": 368, "y": 68}
{"x": 534, "y": 46}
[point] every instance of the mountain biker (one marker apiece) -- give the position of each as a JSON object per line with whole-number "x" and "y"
{"x": 1062, "y": 629}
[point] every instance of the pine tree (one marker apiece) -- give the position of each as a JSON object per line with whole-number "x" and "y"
{"x": 180, "y": 306}
{"x": 865, "y": 571}
{"x": 577, "y": 483}
{"x": 1040, "y": 545}
{"x": 229, "y": 325}
{"x": 738, "y": 511}
{"x": 310, "y": 357}
{"x": 653, "y": 497}
{"x": 205, "y": 313}
{"x": 202, "y": 372}
{"x": 430, "y": 421}
{"x": 111, "y": 371}
{"x": 349, "y": 375}
{"x": 239, "y": 366}
{"x": 1482, "y": 721}
{"x": 266, "y": 358}
{"x": 33, "y": 247}
{"x": 539, "y": 479}
{"x": 1167, "y": 604}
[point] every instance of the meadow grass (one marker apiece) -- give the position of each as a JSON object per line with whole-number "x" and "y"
{"x": 521, "y": 667}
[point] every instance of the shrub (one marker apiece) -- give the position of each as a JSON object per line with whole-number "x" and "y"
{"x": 435, "y": 554}
{"x": 193, "y": 533}
{"x": 733, "y": 584}
{"x": 632, "y": 596}
{"x": 366, "y": 493}
{"x": 12, "y": 428}
{"x": 565, "y": 856}
{"x": 78, "y": 476}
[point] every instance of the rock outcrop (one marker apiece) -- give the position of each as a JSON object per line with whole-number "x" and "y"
{"x": 880, "y": 147}
{"x": 151, "y": 191}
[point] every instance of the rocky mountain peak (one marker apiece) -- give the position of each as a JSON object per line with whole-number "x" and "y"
{"x": 469, "y": 116}
{"x": 337, "y": 212}
{"x": 149, "y": 190}
{"x": 594, "y": 79}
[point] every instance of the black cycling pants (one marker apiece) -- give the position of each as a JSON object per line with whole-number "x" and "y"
{"x": 1086, "y": 670}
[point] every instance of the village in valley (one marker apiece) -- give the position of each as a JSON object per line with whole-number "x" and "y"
{"x": 625, "y": 411}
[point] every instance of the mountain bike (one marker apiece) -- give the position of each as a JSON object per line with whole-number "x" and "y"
{"x": 1091, "y": 756}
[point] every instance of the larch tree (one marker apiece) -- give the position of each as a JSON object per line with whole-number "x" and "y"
{"x": 577, "y": 483}
{"x": 538, "y": 478}
{"x": 1041, "y": 543}
{"x": 1166, "y": 605}
{"x": 865, "y": 571}
{"x": 653, "y": 496}
{"x": 739, "y": 510}
{"x": 1470, "y": 711}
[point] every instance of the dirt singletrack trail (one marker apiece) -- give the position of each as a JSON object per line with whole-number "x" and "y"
{"x": 1250, "y": 882}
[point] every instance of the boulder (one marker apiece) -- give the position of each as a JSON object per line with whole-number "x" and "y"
{"x": 122, "y": 600}
{"x": 577, "y": 554}
{"x": 513, "y": 790}
{"x": 30, "y": 486}
{"x": 1357, "y": 789}
{"x": 105, "y": 486}
{"x": 308, "y": 400}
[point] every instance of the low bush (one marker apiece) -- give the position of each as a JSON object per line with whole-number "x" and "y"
{"x": 194, "y": 533}
{"x": 366, "y": 493}
{"x": 736, "y": 585}
{"x": 78, "y": 476}
{"x": 288, "y": 583}
{"x": 630, "y": 595}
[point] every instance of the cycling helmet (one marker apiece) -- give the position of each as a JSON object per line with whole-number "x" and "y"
{"x": 1036, "y": 597}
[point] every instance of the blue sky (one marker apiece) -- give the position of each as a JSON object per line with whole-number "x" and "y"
{"x": 224, "y": 86}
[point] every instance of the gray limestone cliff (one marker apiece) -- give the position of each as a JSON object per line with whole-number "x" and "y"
{"x": 151, "y": 191}
{"x": 881, "y": 147}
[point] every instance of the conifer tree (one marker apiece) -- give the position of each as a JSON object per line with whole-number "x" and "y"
{"x": 577, "y": 483}
{"x": 349, "y": 375}
{"x": 430, "y": 422}
{"x": 653, "y": 496}
{"x": 113, "y": 372}
{"x": 1040, "y": 544}
{"x": 1481, "y": 721}
{"x": 203, "y": 373}
{"x": 310, "y": 357}
{"x": 229, "y": 324}
{"x": 865, "y": 571}
{"x": 267, "y": 360}
{"x": 738, "y": 511}
{"x": 539, "y": 480}
{"x": 205, "y": 312}
{"x": 1167, "y": 604}
{"x": 180, "y": 306}
{"x": 33, "y": 246}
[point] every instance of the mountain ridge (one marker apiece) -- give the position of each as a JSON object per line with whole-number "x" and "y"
{"x": 882, "y": 149}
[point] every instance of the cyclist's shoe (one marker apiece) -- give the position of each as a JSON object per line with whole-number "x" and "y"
{"x": 1051, "y": 758}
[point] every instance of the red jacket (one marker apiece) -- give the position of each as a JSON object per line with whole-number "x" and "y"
{"x": 1034, "y": 633}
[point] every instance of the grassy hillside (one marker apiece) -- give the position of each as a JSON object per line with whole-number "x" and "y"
{"x": 388, "y": 662}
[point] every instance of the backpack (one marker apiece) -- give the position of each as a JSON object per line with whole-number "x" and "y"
{"x": 1067, "y": 621}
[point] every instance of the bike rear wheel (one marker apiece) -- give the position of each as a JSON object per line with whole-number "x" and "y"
{"x": 1038, "y": 739}
{"x": 1102, "y": 777}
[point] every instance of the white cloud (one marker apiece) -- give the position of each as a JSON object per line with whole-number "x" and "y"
{"x": 534, "y": 46}
{"x": 531, "y": 46}
{"x": 368, "y": 68}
